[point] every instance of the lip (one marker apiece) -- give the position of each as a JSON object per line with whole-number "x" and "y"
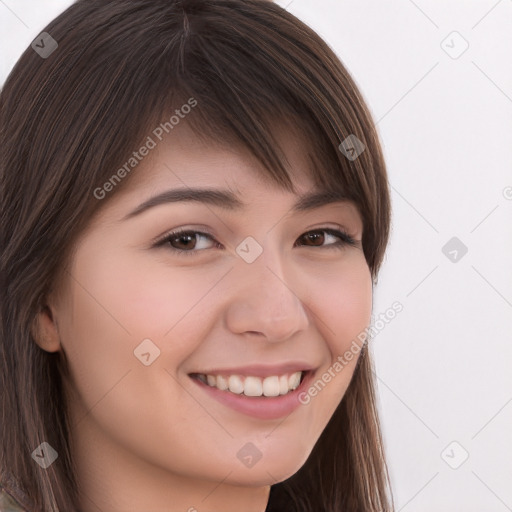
{"x": 260, "y": 370}
{"x": 261, "y": 407}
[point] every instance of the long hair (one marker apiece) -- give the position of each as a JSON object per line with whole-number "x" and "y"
{"x": 73, "y": 110}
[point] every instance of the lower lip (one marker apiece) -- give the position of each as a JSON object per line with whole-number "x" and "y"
{"x": 262, "y": 407}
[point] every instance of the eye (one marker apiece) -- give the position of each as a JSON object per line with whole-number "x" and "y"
{"x": 184, "y": 242}
{"x": 318, "y": 236}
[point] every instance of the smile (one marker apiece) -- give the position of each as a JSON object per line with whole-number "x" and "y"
{"x": 256, "y": 396}
{"x": 273, "y": 385}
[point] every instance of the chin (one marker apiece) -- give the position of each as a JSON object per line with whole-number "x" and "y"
{"x": 270, "y": 473}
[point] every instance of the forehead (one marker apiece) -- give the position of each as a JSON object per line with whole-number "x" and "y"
{"x": 184, "y": 158}
{"x": 189, "y": 168}
{"x": 219, "y": 177}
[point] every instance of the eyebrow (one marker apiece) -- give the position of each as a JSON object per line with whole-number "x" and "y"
{"x": 228, "y": 200}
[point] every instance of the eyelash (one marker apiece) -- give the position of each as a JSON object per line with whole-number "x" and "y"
{"x": 345, "y": 239}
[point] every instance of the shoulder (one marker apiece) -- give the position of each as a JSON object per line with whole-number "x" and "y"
{"x": 8, "y": 503}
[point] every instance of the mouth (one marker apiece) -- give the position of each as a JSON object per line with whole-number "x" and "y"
{"x": 254, "y": 386}
{"x": 265, "y": 398}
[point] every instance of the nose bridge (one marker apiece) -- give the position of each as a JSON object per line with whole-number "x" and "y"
{"x": 265, "y": 300}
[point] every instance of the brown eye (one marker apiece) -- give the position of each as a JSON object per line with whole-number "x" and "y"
{"x": 184, "y": 242}
{"x": 317, "y": 238}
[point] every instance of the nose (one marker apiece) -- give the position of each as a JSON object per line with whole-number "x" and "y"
{"x": 264, "y": 300}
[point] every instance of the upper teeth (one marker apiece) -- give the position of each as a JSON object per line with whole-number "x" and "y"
{"x": 254, "y": 386}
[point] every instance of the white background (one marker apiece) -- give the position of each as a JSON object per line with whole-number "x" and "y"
{"x": 444, "y": 363}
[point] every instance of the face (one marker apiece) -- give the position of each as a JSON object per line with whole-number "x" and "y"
{"x": 262, "y": 291}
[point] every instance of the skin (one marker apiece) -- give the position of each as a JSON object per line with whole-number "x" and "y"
{"x": 147, "y": 437}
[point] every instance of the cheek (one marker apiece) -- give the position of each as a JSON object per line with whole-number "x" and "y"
{"x": 136, "y": 297}
{"x": 343, "y": 304}
{"x": 114, "y": 304}
{"x": 342, "y": 312}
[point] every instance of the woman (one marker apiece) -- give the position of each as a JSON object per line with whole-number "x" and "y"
{"x": 195, "y": 208}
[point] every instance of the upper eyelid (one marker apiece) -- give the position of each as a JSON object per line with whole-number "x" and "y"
{"x": 179, "y": 231}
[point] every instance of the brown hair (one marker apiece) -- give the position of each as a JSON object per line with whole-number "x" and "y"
{"x": 69, "y": 120}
